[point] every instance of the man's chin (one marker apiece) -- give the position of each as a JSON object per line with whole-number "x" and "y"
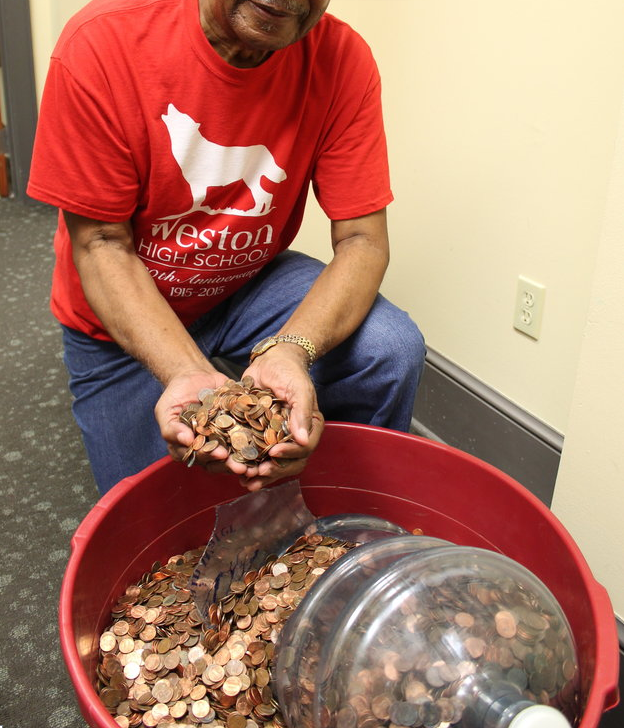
{"x": 264, "y": 33}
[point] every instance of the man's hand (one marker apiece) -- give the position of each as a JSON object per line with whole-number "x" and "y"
{"x": 283, "y": 370}
{"x": 181, "y": 391}
{"x": 287, "y": 458}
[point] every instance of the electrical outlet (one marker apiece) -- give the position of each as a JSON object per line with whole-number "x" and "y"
{"x": 529, "y": 307}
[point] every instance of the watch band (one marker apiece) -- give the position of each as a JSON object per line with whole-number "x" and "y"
{"x": 301, "y": 341}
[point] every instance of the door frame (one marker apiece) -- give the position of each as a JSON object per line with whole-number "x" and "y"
{"x": 20, "y": 95}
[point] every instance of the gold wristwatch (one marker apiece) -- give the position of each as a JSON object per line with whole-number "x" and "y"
{"x": 270, "y": 341}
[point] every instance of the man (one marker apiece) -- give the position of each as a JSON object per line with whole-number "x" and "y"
{"x": 178, "y": 139}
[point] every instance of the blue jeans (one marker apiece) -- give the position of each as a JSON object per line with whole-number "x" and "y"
{"x": 370, "y": 378}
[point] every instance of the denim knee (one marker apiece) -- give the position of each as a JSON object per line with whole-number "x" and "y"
{"x": 395, "y": 341}
{"x": 406, "y": 347}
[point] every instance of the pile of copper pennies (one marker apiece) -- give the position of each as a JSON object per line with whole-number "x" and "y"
{"x": 241, "y": 417}
{"x": 161, "y": 665}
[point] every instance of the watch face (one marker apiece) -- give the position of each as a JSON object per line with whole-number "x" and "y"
{"x": 264, "y": 345}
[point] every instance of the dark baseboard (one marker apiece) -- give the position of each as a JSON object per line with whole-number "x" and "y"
{"x": 454, "y": 407}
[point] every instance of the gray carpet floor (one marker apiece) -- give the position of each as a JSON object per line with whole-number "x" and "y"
{"x": 46, "y": 486}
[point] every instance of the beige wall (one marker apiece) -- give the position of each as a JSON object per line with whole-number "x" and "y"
{"x": 589, "y": 498}
{"x": 502, "y": 120}
{"x": 48, "y": 18}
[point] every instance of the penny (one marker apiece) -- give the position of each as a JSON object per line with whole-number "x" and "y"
{"x": 162, "y": 691}
{"x": 464, "y": 619}
{"x": 121, "y": 627}
{"x": 403, "y": 713}
{"x": 243, "y": 705}
{"x": 186, "y": 687}
{"x": 321, "y": 555}
{"x": 126, "y": 645}
{"x": 222, "y": 656}
{"x": 263, "y": 677}
{"x": 414, "y": 689}
{"x": 433, "y": 678}
{"x": 143, "y": 695}
{"x": 148, "y": 633}
{"x": 505, "y": 624}
{"x": 148, "y": 720}
{"x": 132, "y": 670}
{"x": 178, "y": 709}
{"x": 210, "y": 445}
{"x": 268, "y": 603}
{"x": 151, "y": 615}
{"x": 164, "y": 646}
{"x": 215, "y": 673}
{"x": 279, "y": 567}
{"x": 237, "y": 650}
{"x": 108, "y": 641}
{"x": 198, "y": 692}
{"x": 111, "y": 697}
{"x": 168, "y": 600}
{"x": 346, "y": 718}
{"x": 380, "y": 706}
{"x": 153, "y": 662}
{"x": 195, "y": 653}
{"x": 198, "y": 442}
{"x": 138, "y": 610}
{"x": 160, "y": 711}
{"x": 171, "y": 660}
{"x": 236, "y": 720}
{"x": 200, "y": 708}
{"x": 475, "y": 646}
{"x": 239, "y": 440}
{"x": 224, "y": 421}
{"x": 234, "y": 668}
{"x": 232, "y": 686}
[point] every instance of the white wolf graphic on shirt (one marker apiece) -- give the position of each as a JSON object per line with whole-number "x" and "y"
{"x": 205, "y": 164}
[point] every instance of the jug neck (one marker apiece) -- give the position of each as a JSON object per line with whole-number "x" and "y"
{"x": 500, "y": 704}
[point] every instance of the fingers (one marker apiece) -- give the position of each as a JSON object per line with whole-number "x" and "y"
{"x": 275, "y": 472}
{"x": 286, "y": 459}
{"x": 178, "y": 393}
{"x": 316, "y": 423}
{"x": 302, "y": 404}
{"x": 218, "y": 461}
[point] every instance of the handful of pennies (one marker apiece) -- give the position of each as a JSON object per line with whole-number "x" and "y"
{"x": 243, "y": 418}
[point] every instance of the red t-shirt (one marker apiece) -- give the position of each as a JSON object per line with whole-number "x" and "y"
{"x": 141, "y": 119}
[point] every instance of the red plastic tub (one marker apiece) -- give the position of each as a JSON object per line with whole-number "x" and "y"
{"x": 417, "y": 483}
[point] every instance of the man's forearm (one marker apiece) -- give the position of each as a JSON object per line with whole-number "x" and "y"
{"x": 122, "y": 294}
{"x": 343, "y": 294}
